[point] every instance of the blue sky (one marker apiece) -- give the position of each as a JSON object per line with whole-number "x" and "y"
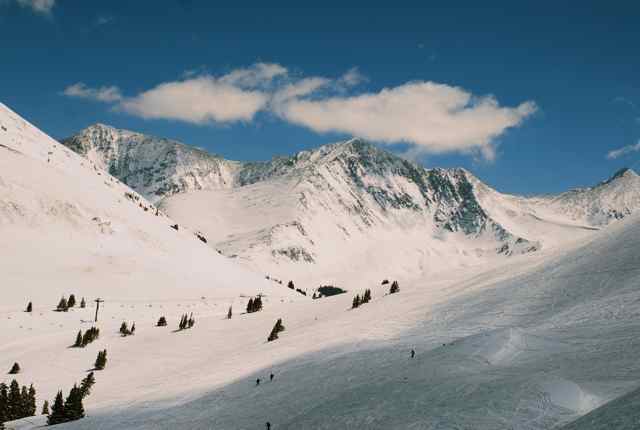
{"x": 531, "y": 97}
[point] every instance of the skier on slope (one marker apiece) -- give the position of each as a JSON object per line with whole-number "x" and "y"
{"x": 413, "y": 353}
{"x": 268, "y": 425}
{"x": 271, "y": 377}
{"x": 257, "y": 382}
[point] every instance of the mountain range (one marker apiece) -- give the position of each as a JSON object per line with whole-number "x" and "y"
{"x": 286, "y": 217}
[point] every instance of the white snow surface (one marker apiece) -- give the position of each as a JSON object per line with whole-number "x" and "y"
{"x": 533, "y": 341}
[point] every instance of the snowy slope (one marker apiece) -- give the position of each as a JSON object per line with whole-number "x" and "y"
{"x": 532, "y": 344}
{"x": 69, "y": 227}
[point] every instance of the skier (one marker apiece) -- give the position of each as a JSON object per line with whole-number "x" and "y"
{"x": 413, "y": 353}
{"x": 257, "y": 382}
{"x": 271, "y": 377}
{"x": 268, "y": 425}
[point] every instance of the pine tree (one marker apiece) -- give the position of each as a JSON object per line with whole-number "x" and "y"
{"x": 101, "y": 360}
{"x": 4, "y": 403}
{"x": 14, "y": 401}
{"x": 162, "y": 322}
{"x": 15, "y": 369}
{"x": 366, "y": 297}
{"x": 277, "y": 328}
{"x": 394, "y": 288}
{"x": 24, "y": 402}
{"x": 124, "y": 329}
{"x": 257, "y": 303}
{"x": 45, "y": 408}
{"x": 86, "y": 384}
{"x": 79, "y": 340}
{"x": 57, "y": 414}
{"x": 290, "y": 285}
{"x": 230, "y": 313}
{"x": 72, "y": 301}
{"x": 133, "y": 328}
{"x": 73, "y": 408}
{"x": 191, "y": 321}
{"x": 250, "y": 306}
{"x": 83, "y": 303}
{"x": 356, "y": 301}
{"x": 62, "y": 305}
{"x": 31, "y": 410}
{"x": 29, "y": 307}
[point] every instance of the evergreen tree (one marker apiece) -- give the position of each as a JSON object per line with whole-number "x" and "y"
{"x": 230, "y": 313}
{"x": 356, "y": 301}
{"x": 45, "y": 408}
{"x": 62, "y": 305}
{"x": 79, "y": 340}
{"x": 101, "y": 360}
{"x": 73, "y": 408}
{"x": 366, "y": 296}
{"x": 124, "y": 329}
{"x": 15, "y": 369}
{"x": 191, "y": 321}
{"x": 257, "y": 303}
{"x": 14, "y": 401}
{"x": 72, "y": 301}
{"x": 31, "y": 410}
{"x": 250, "y": 307}
{"x": 29, "y": 307}
{"x": 290, "y": 285}
{"x": 83, "y": 303}
{"x": 133, "y": 328}
{"x": 394, "y": 288}
{"x": 4, "y": 403}
{"x": 162, "y": 322}
{"x": 277, "y": 328}
{"x": 86, "y": 384}
{"x": 24, "y": 402}
{"x": 57, "y": 414}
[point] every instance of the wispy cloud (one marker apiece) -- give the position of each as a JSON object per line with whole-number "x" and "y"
{"x": 617, "y": 153}
{"x": 430, "y": 117}
{"x": 102, "y": 94}
{"x": 104, "y": 20}
{"x": 43, "y": 7}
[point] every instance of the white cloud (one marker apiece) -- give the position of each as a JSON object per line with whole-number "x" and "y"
{"x": 434, "y": 117}
{"x": 197, "y": 100}
{"x": 617, "y": 153}
{"x": 39, "y": 6}
{"x": 102, "y": 94}
{"x": 429, "y": 116}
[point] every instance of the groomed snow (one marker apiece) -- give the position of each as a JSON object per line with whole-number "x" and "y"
{"x": 529, "y": 342}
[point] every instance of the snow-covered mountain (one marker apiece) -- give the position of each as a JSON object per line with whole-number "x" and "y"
{"x": 67, "y": 226}
{"x": 152, "y": 166}
{"x": 287, "y": 216}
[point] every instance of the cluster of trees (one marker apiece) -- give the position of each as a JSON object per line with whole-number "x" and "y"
{"x": 85, "y": 339}
{"x": 15, "y": 369}
{"x": 72, "y": 408}
{"x": 186, "y": 322}
{"x": 277, "y": 328}
{"x": 65, "y": 304}
{"x": 254, "y": 305}
{"x": 16, "y": 403}
{"x": 291, "y": 286}
{"x": 101, "y": 360}
{"x": 361, "y": 300}
{"x": 326, "y": 291}
{"x": 395, "y": 288}
{"x": 125, "y": 330}
{"x": 162, "y": 322}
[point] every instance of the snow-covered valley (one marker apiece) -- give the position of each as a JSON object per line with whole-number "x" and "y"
{"x": 523, "y": 312}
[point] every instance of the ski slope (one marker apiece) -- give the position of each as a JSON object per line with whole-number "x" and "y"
{"x": 530, "y": 342}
